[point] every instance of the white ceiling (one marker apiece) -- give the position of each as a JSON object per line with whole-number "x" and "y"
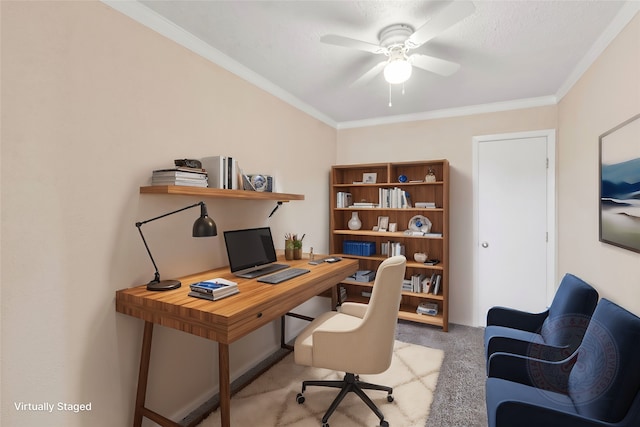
{"x": 512, "y": 53}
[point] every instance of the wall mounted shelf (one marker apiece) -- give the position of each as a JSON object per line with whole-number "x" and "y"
{"x": 218, "y": 193}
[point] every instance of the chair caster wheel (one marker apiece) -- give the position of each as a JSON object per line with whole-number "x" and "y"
{"x": 390, "y": 398}
{"x": 325, "y": 424}
{"x": 300, "y": 398}
{"x": 383, "y": 423}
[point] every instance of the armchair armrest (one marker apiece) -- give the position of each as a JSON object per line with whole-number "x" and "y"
{"x": 521, "y": 414}
{"x": 546, "y": 375}
{"x": 526, "y": 348}
{"x": 354, "y": 309}
{"x": 516, "y": 319}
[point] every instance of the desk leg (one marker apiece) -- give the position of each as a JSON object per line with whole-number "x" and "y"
{"x": 225, "y": 387}
{"x": 143, "y": 375}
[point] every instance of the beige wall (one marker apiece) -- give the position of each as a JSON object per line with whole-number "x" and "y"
{"x": 607, "y": 95}
{"x": 450, "y": 139}
{"x": 91, "y": 103}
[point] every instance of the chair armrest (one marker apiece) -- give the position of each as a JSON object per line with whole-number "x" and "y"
{"x": 354, "y": 309}
{"x": 546, "y": 375}
{"x": 521, "y": 414}
{"x": 527, "y": 348}
{"x": 516, "y": 319}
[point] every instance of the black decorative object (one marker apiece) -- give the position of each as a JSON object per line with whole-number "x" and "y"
{"x": 202, "y": 227}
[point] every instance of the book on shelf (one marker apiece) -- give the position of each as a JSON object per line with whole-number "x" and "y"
{"x": 363, "y": 205}
{"x": 214, "y": 289}
{"x": 425, "y": 205}
{"x": 429, "y": 308}
{"x": 393, "y": 198}
{"x": 343, "y": 199}
{"x": 437, "y": 284}
{"x": 222, "y": 172}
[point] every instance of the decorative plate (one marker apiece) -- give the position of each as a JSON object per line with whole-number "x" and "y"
{"x": 420, "y": 223}
{"x": 259, "y": 182}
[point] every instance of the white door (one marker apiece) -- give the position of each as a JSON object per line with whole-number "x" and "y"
{"x": 515, "y": 220}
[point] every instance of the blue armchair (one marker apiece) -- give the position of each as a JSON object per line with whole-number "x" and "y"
{"x": 551, "y": 335}
{"x": 597, "y": 386}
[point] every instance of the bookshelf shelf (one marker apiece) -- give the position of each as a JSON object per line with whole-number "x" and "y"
{"x": 218, "y": 193}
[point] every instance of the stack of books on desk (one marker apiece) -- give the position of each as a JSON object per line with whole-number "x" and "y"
{"x": 193, "y": 177}
{"x": 214, "y": 289}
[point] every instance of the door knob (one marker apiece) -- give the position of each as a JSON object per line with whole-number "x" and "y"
{"x": 485, "y": 244}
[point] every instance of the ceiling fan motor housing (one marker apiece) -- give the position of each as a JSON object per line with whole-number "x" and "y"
{"x": 395, "y": 34}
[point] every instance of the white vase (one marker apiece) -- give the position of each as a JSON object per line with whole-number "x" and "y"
{"x": 354, "y": 223}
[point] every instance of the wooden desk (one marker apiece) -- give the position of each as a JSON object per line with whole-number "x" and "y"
{"x": 224, "y": 321}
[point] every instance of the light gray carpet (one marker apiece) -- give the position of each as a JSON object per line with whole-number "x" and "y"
{"x": 459, "y": 398}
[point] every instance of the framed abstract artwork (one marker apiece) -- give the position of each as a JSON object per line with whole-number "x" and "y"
{"x": 620, "y": 185}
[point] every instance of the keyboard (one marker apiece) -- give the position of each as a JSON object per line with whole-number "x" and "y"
{"x": 283, "y": 275}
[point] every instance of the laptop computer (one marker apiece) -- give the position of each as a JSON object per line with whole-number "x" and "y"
{"x": 251, "y": 252}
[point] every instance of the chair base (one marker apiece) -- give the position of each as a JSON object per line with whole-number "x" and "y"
{"x": 350, "y": 383}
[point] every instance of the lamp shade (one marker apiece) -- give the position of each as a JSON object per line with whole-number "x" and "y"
{"x": 397, "y": 71}
{"x": 204, "y": 226}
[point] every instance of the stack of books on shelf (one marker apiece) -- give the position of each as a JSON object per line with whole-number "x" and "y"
{"x": 429, "y": 308}
{"x": 214, "y": 289}
{"x": 192, "y": 177}
{"x": 365, "y": 276}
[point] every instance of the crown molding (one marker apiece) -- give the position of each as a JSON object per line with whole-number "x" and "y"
{"x": 517, "y": 104}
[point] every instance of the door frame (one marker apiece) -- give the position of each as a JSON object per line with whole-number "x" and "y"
{"x": 550, "y": 135}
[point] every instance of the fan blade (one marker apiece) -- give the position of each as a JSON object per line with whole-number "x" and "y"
{"x": 434, "y": 65}
{"x": 369, "y": 75}
{"x": 351, "y": 43}
{"x": 456, "y": 12}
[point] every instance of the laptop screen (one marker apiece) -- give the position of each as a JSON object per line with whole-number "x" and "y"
{"x": 249, "y": 249}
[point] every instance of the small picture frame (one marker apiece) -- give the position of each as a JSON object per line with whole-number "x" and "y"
{"x": 393, "y": 227}
{"x": 369, "y": 178}
{"x": 383, "y": 223}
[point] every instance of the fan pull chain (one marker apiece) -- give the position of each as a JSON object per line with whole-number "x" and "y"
{"x": 390, "y": 104}
{"x": 403, "y": 88}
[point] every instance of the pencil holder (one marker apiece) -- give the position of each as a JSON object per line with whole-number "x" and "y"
{"x": 289, "y": 249}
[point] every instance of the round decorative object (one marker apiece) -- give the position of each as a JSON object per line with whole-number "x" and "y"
{"x": 354, "y": 223}
{"x": 403, "y": 178}
{"x": 420, "y": 223}
{"x": 420, "y": 257}
{"x": 259, "y": 182}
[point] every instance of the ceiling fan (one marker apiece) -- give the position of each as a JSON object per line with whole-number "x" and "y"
{"x": 395, "y": 41}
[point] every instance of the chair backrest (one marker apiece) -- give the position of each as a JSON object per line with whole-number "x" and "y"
{"x": 379, "y": 322}
{"x": 569, "y": 313}
{"x": 605, "y": 379}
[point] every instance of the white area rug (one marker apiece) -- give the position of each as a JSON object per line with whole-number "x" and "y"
{"x": 270, "y": 401}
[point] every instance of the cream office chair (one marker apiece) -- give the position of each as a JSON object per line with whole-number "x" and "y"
{"x": 357, "y": 340}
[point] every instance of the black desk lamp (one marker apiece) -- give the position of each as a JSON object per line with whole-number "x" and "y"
{"x": 203, "y": 227}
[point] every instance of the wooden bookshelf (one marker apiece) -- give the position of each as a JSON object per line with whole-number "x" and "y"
{"x": 347, "y": 179}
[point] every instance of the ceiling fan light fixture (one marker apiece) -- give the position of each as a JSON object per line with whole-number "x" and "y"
{"x": 397, "y": 70}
